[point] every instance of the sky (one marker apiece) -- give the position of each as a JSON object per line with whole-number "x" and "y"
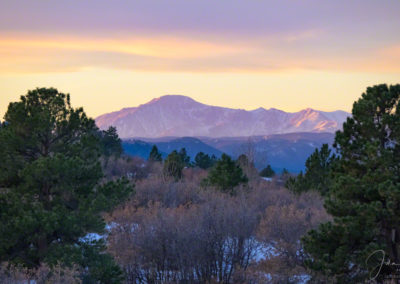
{"x": 288, "y": 54}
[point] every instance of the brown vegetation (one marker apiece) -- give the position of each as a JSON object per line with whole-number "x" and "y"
{"x": 44, "y": 274}
{"x": 180, "y": 231}
{"x": 176, "y": 231}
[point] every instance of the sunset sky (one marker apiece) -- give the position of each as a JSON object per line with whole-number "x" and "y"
{"x": 247, "y": 54}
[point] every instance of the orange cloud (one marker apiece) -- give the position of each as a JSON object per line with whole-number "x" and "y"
{"x": 161, "y": 47}
{"x": 44, "y": 53}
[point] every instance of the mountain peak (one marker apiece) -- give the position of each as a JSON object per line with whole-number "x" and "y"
{"x": 172, "y": 99}
{"x": 179, "y": 116}
{"x": 308, "y": 110}
{"x": 259, "y": 109}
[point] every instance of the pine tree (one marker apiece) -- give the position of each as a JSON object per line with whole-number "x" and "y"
{"x": 214, "y": 160}
{"x": 184, "y": 157}
{"x": 110, "y": 142}
{"x": 155, "y": 155}
{"x": 51, "y": 188}
{"x": 173, "y": 165}
{"x": 317, "y": 173}
{"x": 267, "y": 172}
{"x": 204, "y": 161}
{"x": 363, "y": 192}
{"x": 226, "y": 174}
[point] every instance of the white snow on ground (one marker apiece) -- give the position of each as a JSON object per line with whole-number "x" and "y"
{"x": 266, "y": 178}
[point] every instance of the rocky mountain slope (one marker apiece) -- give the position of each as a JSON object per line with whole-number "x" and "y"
{"x": 179, "y": 116}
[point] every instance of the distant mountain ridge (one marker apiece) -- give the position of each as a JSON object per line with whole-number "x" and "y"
{"x": 180, "y": 116}
{"x": 288, "y": 151}
{"x": 142, "y": 148}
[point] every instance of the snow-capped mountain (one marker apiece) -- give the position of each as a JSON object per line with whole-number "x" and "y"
{"x": 175, "y": 115}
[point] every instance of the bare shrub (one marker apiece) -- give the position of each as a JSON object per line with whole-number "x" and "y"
{"x": 166, "y": 192}
{"x": 202, "y": 242}
{"x": 58, "y": 274}
{"x": 194, "y": 175}
{"x": 134, "y": 168}
{"x": 280, "y": 231}
{"x": 179, "y": 232}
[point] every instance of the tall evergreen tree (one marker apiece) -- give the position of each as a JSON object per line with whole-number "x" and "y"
{"x": 173, "y": 165}
{"x": 214, "y": 160}
{"x": 110, "y": 142}
{"x": 155, "y": 155}
{"x": 226, "y": 174}
{"x": 51, "y": 189}
{"x": 204, "y": 161}
{"x": 184, "y": 157}
{"x": 267, "y": 172}
{"x": 364, "y": 192}
{"x": 317, "y": 173}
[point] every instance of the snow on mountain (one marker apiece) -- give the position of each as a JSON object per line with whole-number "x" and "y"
{"x": 175, "y": 115}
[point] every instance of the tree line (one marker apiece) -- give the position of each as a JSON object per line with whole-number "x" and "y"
{"x": 225, "y": 172}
